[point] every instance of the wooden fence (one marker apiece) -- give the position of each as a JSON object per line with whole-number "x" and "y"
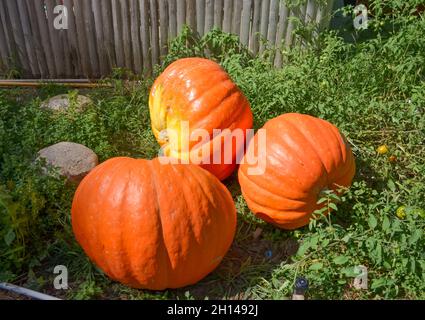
{"x": 134, "y": 34}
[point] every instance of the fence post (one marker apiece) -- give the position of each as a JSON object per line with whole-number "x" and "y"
{"x": 209, "y": 15}
{"x": 145, "y": 36}
{"x": 200, "y": 16}
{"x": 126, "y": 34}
{"x": 227, "y": 20}
{"x": 17, "y": 34}
{"x": 181, "y": 14}
{"x": 282, "y": 26}
{"x": 135, "y": 36}
{"x": 191, "y": 14}
{"x": 265, "y": 5}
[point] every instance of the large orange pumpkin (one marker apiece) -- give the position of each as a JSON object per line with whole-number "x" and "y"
{"x": 303, "y": 156}
{"x": 152, "y": 225}
{"x": 198, "y": 93}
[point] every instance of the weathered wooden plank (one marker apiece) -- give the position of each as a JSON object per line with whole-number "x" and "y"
{"x": 83, "y": 50}
{"x": 325, "y": 16}
{"x": 200, "y": 16}
{"x": 126, "y": 34}
{"x": 227, "y": 13}
{"x": 237, "y": 12}
{"x": 163, "y": 26}
{"x": 191, "y": 14}
{"x": 218, "y": 13}
{"x": 172, "y": 18}
{"x": 36, "y": 40}
{"x": 209, "y": 15}
{"x": 181, "y": 15}
{"x": 100, "y": 39}
{"x": 282, "y": 26}
{"x": 145, "y": 36}
{"x": 91, "y": 39}
{"x": 63, "y": 39}
{"x": 273, "y": 20}
{"x": 254, "y": 41}
{"x": 28, "y": 37}
{"x": 108, "y": 34}
{"x": 264, "y": 24}
{"x": 71, "y": 41}
{"x": 57, "y": 45}
{"x": 117, "y": 25}
{"x": 289, "y": 30}
{"x": 135, "y": 36}
{"x": 310, "y": 11}
{"x": 18, "y": 35}
{"x": 6, "y": 29}
{"x": 40, "y": 13}
{"x": 4, "y": 50}
{"x": 301, "y": 14}
{"x": 154, "y": 31}
{"x": 246, "y": 21}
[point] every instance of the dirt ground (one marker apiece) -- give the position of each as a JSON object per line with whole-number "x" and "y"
{"x": 10, "y": 296}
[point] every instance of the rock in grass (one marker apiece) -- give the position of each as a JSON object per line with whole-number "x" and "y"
{"x": 63, "y": 102}
{"x": 72, "y": 160}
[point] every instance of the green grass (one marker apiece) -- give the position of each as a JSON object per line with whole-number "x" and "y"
{"x": 372, "y": 88}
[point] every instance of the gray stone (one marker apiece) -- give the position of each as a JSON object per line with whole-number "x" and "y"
{"x": 71, "y": 160}
{"x": 62, "y": 102}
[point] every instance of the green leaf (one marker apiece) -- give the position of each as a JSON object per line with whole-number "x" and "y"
{"x": 9, "y": 237}
{"x": 372, "y": 221}
{"x": 333, "y": 206}
{"x": 391, "y": 185}
{"x": 416, "y": 235}
{"x": 378, "y": 253}
{"x": 314, "y": 241}
{"x": 349, "y": 272}
{"x": 346, "y": 238}
{"x": 412, "y": 265}
{"x": 316, "y": 266}
{"x": 377, "y": 283}
{"x": 303, "y": 248}
{"x": 324, "y": 243}
{"x": 341, "y": 260}
{"x": 321, "y": 200}
{"x": 386, "y": 224}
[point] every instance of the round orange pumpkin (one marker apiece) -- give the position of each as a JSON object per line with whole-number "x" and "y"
{"x": 152, "y": 225}
{"x": 193, "y": 94}
{"x": 303, "y": 156}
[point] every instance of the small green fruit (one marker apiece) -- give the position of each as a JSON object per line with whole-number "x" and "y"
{"x": 401, "y": 212}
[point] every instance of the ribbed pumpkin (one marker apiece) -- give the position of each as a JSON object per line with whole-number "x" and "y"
{"x": 303, "y": 157}
{"x": 152, "y": 225}
{"x": 200, "y": 93}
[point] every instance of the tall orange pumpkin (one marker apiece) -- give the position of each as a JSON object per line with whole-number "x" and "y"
{"x": 303, "y": 156}
{"x": 152, "y": 225}
{"x": 198, "y": 93}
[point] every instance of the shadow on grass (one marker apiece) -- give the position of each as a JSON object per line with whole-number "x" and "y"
{"x": 246, "y": 263}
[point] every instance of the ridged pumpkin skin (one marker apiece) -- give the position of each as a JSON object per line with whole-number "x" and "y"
{"x": 200, "y": 92}
{"x": 153, "y": 226}
{"x": 304, "y": 155}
